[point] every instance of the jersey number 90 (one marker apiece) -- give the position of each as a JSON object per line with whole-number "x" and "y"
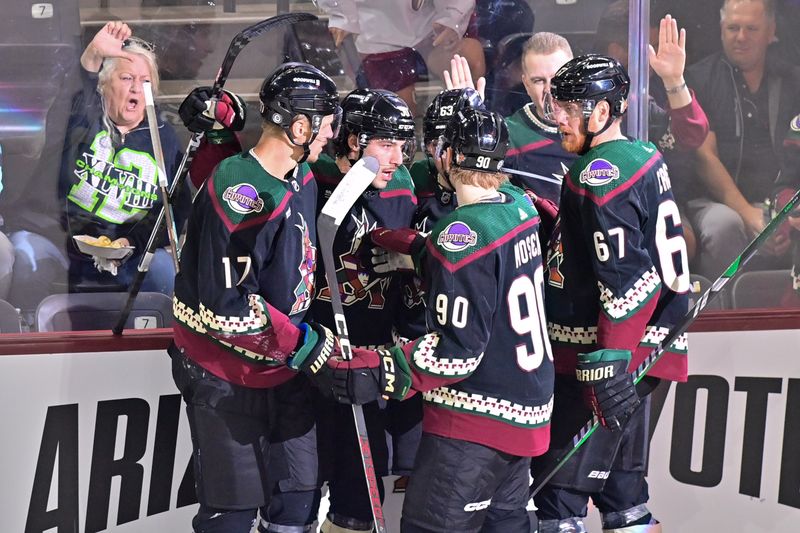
{"x": 526, "y": 320}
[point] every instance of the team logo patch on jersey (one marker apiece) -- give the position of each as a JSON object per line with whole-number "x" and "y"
{"x": 457, "y": 237}
{"x": 599, "y": 172}
{"x": 795, "y": 123}
{"x": 243, "y": 198}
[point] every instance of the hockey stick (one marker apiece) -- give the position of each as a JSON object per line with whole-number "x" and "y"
{"x": 333, "y": 212}
{"x": 531, "y": 175}
{"x": 239, "y": 41}
{"x": 155, "y": 139}
{"x": 679, "y": 329}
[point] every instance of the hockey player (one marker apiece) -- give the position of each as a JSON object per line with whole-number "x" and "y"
{"x": 616, "y": 283}
{"x": 485, "y": 368}
{"x": 376, "y": 123}
{"x": 245, "y": 283}
{"x": 535, "y": 147}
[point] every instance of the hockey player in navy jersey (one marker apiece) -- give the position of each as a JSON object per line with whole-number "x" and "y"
{"x": 376, "y": 123}
{"x": 484, "y": 369}
{"x": 535, "y": 146}
{"x": 435, "y": 195}
{"x": 617, "y": 278}
{"x": 246, "y": 280}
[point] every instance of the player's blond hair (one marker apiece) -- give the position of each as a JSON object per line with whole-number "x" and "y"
{"x": 477, "y": 178}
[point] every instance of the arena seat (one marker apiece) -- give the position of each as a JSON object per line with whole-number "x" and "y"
{"x": 9, "y": 318}
{"x": 101, "y": 310}
{"x": 722, "y": 301}
{"x": 761, "y": 288}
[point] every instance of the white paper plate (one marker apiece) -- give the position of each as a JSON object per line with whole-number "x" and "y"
{"x": 106, "y": 252}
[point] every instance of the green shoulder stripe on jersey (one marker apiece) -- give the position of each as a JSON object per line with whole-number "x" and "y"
{"x": 610, "y": 165}
{"x": 244, "y": 190}
{"x": 401, "y": 180}
{"x": 472, "y": 229}
{"x": 423, "y": 177}
{"x": 326, "y": 166}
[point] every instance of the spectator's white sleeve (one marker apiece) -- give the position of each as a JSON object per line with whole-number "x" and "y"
{"x": 454, "y": 14}
{"x": 342, "y": 14}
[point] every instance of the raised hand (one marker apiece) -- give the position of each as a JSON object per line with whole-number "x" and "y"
{"x": 106, "y": 43}
{"x": 460, "y": 76}
{"x": 670, "y": 58}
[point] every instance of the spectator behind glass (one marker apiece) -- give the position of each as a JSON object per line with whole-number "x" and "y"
{"x": 749, "y": 96}
{"x": 535, "y": 144}
{"x": 676, "y": 121}
{"x": 108, "y": 181}
{"x": 6, "y": 249}
{"x": 395, "y": 40}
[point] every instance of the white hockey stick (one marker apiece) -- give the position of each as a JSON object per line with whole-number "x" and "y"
{"x": 333, "y": 212}
{"x": 155, "y": 138}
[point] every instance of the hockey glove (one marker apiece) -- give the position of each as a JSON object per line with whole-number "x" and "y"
{"x": 392, "y": 250}
{"x": 370, "y": 375}
{"x": 318, "y": 345}
{"x": 200, "y": 113}
{"x": 608, "y": 387}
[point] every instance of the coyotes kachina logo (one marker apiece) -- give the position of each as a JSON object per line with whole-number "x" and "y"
{"x": 555, "y": 256}
{"x": 304, "y": 289}
{"x": 354, "y": 279}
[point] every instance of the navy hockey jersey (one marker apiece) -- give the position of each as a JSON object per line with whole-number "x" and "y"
{"x": 247, "y": 272}
{"x": 486, "y": 370}
{"x": 535, "y": 148}
{"x": 617, "y": 272}
{"x": 370, "y": 302}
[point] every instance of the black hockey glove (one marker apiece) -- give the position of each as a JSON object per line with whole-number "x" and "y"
{"x": 199, "y": 112}
{"x": 311, "y": 357}
{"x": 608, "y": 387}
{"x": 370, "y": 375}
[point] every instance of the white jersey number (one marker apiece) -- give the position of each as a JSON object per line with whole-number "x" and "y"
{"x": 669, "y": 246}
{"x": 532, "y": 325}
{"x": 459, "y": 314}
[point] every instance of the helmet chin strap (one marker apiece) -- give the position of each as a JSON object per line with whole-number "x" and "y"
{"x": 306, "y": 145}
{"x": 590, "y": 135}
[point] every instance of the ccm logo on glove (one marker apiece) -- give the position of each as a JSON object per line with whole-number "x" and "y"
{"x": 388, "y": 370}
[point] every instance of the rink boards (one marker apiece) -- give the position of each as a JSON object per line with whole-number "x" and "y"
{"x": 100, "y": 440}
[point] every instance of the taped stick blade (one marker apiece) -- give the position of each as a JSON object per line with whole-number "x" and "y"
{"x": 350, "y": 188}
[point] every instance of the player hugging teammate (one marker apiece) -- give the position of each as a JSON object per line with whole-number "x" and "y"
{"x": 615, "y": 276}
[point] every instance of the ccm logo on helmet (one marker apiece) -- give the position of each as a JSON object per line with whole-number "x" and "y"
{"x": 477, "y": 506}
{"x": 595, "y": 374}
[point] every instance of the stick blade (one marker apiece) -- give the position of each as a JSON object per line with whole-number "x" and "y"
{"x": 350, "y": 188}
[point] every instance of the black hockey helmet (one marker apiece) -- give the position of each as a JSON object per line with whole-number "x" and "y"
{"x": 442, "y": 108}
{"x": 479, "y": 139}
{"x": 375, "y": 114}
{"x": 299, "y": 89}
{"x": 590, "y": 79}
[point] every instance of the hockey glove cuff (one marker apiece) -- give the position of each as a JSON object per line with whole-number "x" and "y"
{"x": 311, "y": 357}
{"x": 405, "y": 240}
{"x": 202, "y": 113}
{"x": 370, "y": 375}
{"x": 608, "y": 388}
